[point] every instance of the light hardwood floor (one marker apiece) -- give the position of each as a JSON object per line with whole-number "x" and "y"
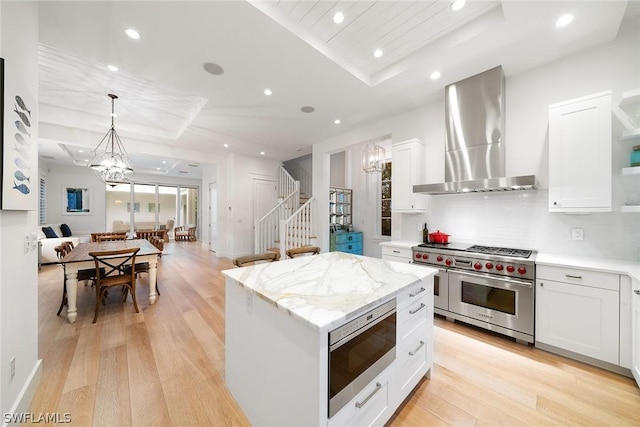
{"x": 165, "y": 365}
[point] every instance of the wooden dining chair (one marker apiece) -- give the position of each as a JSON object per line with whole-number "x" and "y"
{"x": 143, "y": 267}
{"x": 256, "y": 258}
{"x": 87, "y": 275}
{"x": 115, "y": 268}
{"x": 302, "y": 251}
{"x": 111, "y": 237}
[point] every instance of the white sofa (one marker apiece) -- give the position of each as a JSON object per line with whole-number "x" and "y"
{"x": 49, "y": 255}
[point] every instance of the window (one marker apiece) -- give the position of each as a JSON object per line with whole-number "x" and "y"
{"x": 42, "y": 201}
{"x": 385, "y": 200}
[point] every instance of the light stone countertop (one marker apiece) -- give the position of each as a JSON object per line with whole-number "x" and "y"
{"x": 326, "y": 289}
{"x": 400, "y": 244}
{"x": 615, "y": 266}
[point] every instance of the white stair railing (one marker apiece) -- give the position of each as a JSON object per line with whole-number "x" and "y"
{"x": 298, "y": 229}
{"x": 286, "y": 184}
{"x": 267, "y": 228}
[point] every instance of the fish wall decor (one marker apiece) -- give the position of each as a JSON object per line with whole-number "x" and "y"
{"x": 23, "y": 153}
{"x": 22, "y": 105}
{"x": 22, "y": 116}
{"x": 21, "y": 177}
{"x": 21, "y": 188}
{"x": 21, "y": 128}
{"x": 20, "y": 139}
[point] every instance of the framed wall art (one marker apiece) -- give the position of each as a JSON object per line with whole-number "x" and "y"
{"x": 77, "y": 201}
{"x": 18, "y": 144}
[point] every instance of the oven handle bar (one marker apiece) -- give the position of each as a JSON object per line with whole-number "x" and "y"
{"x": 501, "y": 279}
{"x": 377, "y": 389}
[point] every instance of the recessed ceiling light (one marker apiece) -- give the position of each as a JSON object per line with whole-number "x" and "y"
{"x": 435, "y": 75}
{"x": 337, "y": 121}
{"x": 378, "y": 53}
{"x": 268, "y": 92}
{"x": 564, "y": 20}
{"x": 80, "y": 151}
{"x": 112, "y": 68}
{"x": 262, "y": 153}
{"x": 338, "y": 18}
{"x": 132, "y": 33}
{"x": 307, "y": 109}
{"x": 164, "y": 162}
{"x": 225, "y": 145}
{"x": 457, "y": 5}
{"x": 158, "y": 169}
{"x": 212, "y": 68}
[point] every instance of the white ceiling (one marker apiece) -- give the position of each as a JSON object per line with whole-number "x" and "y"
{"x": 170, "y": 109}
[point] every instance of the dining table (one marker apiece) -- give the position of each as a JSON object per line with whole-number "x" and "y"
{"x": 79, "y": 259}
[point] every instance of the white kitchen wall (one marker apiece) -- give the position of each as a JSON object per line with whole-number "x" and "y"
{"x": 521, "y": 219}
{"x": 19, "y": 268}
{"x": 518, "y": 219}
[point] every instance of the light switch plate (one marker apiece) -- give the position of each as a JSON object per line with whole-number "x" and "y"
{"x": 27, "y": 243}
{"x": 34, "y": 240}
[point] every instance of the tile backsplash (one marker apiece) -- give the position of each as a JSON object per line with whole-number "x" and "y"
{"x": 521, "y": 219}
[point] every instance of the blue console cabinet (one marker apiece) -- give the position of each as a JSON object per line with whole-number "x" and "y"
{"x": 346, "y": 241}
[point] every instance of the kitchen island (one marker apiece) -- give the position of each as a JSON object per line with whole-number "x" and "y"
{"x": 278, "y": 320}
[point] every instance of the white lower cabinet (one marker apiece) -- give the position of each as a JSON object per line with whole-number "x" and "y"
{"x": 371, "y": 407}
{"x": 635, "y": 330}
{"x": 414, "y": 348}
{"x": 375, "y": 404}
{"x": 579, "y": 311}
{"x": 397, "y": 252}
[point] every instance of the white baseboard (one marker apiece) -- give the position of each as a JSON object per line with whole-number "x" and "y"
{"x": 23, "y": 401}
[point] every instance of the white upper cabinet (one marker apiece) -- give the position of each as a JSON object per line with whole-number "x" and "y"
{"x": 407, "y": 171}
{"x": 580, "y": 154}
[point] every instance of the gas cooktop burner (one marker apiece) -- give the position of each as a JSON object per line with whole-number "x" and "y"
{"x": 518, "y": 253}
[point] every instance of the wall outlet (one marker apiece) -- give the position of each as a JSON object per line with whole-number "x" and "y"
{"x": 577, "y": 234}
{"x": 13, "y": 368}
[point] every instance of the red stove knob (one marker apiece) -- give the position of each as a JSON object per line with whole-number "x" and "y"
{"x": 522, "y": 270}
{"x": 489, "y": 266}
{"x": 418, "y": 255}
{"x": 440, "y": 258}
{"x": 448, "y": 261}
{"x": 511, "y": 268}
{"x": 477, "y": 266}
{"x": 499, "y": 267}
{"x": 425, "y": 256}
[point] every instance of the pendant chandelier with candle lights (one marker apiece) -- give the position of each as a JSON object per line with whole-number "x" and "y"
{"x": 110, "y": 162}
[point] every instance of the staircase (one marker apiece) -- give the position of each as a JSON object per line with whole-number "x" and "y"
{"x": 290, "y": 223}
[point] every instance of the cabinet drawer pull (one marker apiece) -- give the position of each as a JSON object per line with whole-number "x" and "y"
{"x": 415, "y": 294}
{"x": 573, "y": 277}
{"x": 360, "y": 405}
{"x": 414, "y": 352}
{"x": 417, "y": 309}
{"x": 637, "y": 292}
{"x": 396, "y": 252}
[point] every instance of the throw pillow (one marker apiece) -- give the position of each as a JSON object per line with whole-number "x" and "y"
{"x": 48, "y": 231}
{"x": 66, "y": 231}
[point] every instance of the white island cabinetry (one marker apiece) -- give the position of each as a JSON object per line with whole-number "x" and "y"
{"x": 278, "y": 319}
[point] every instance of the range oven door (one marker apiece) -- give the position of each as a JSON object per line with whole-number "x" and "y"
{"x": 441, "y": 290}
{"x": 505, "y": 302}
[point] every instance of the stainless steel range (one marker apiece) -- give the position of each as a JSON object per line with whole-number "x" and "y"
{"x": 489, "y": 287}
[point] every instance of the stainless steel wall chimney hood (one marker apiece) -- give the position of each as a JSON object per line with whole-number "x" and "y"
{"x": 474, "y": 155}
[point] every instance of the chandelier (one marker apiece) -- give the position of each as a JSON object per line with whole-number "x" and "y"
{"x": 373, "y": 157}
{"x": 110, "y": 162}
